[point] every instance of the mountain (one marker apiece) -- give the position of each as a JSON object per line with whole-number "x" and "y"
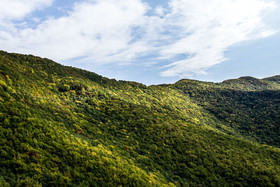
{"x": 63, "y": 126}
{"x": 248, "y": 105}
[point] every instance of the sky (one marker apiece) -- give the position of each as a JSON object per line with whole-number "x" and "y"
{"x": 148, "y": 41}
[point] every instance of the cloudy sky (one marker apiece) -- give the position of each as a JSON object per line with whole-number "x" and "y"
{"x": 149, "y": 41}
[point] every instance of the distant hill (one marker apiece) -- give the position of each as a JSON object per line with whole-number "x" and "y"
{"x": 248, "y": 105}
{"x": 63, "y": 126}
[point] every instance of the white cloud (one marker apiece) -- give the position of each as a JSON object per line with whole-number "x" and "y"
{"x": 191, "y": 35}
{"x": 99, "y": 30}
{"x": 16, "y": 9}
{"x": 209, "y": 28}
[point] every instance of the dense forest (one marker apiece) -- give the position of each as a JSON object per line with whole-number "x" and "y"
{"x": 63, "y": 126}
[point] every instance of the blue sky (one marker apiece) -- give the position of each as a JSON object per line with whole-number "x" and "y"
{"x": 148, "y": 41}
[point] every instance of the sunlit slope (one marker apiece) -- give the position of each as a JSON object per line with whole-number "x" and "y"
{"x": 64, "y": 126}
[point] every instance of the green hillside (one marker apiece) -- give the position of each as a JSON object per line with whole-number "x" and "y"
{"x": 250, "y": 106}
{"x": 63, "y": 126}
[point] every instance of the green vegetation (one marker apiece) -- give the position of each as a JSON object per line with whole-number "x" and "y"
{"x": 63, "y": 126}
{"x": 248, "y": 105}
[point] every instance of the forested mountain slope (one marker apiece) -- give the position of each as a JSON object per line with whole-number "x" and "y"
{"x": 62, "y": 126}
{"x": 250, "y": 106}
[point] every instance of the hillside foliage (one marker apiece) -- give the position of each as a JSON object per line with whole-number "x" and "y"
{"x": 63, "y": 126}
